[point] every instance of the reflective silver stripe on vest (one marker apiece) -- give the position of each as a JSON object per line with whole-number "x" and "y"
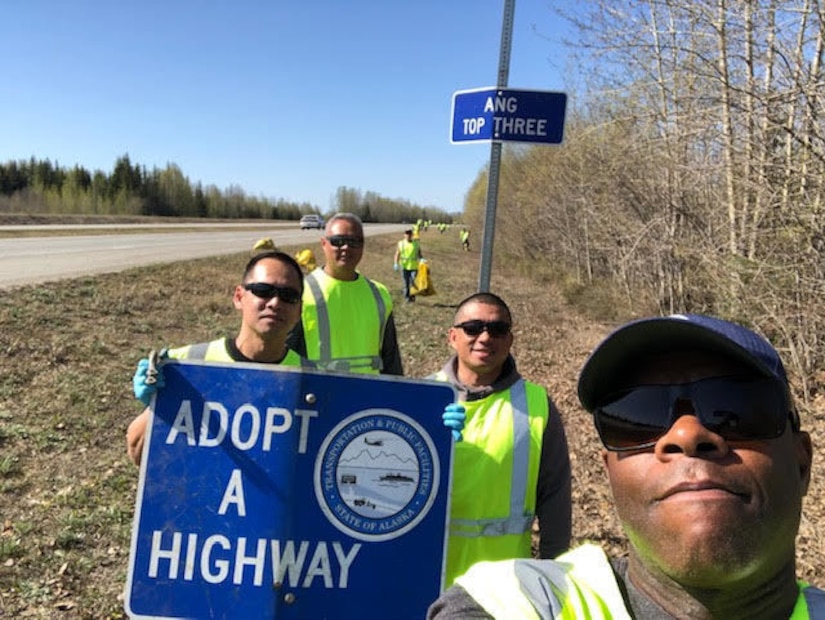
{"x": 197, "y": 351}
{"x": 343, "y": 364}
{"x": 815, "y": 599}
{"x": 534, "y": 577}
{"x": 516, "y": 522}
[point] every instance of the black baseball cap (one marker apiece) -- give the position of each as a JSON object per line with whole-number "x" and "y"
{"x": 608, "y": 362}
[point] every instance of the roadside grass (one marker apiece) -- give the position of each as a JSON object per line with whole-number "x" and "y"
{"x": 67, "y": 353}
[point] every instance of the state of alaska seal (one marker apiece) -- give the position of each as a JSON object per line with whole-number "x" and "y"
{"x": 376, "y": 474}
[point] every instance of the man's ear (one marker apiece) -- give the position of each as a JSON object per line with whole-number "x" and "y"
{"x": 236, "y": 296}
{"x": 451, "y": 336}
{"x": 804, "y": 455}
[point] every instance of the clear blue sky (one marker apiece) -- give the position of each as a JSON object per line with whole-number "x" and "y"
{"x": 284, "y": 98}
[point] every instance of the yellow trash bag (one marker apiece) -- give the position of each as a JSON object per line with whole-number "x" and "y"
{"x": 263, "y": 245}
{"x": 306, "y": 259}
{"x": 423, "y": 284}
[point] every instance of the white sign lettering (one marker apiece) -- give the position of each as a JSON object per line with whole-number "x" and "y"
{"x": 249, "y": 426}
{"x": 216, "y": 559}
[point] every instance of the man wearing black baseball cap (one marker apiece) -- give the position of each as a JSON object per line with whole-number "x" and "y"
{"x": 708, "y": 467}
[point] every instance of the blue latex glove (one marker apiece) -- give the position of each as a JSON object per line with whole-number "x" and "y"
{"x": 395, "y": 267}
{"x": 146, "y": 383}
{"x": 453, "y": 417}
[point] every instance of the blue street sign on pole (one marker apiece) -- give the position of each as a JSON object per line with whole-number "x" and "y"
{"x": 507, "y": 115}
{"x": 269, "y": 492}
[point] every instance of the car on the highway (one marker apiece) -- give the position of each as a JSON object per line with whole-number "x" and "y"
{"x": 312, "y": 221}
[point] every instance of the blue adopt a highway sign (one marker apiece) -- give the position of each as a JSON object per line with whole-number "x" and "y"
{"x": 281, "y": 493}
{"x": 507, "y": 115}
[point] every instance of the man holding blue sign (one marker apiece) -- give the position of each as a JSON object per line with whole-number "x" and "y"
{"x": 269, "y": 300}
{"x": 225, "y": 455}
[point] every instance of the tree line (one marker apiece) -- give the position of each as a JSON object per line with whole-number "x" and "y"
{"x": 40, "y": 186}
{"x": 691, "y": 176}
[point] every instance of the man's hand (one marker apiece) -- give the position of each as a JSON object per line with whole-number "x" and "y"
{"x": 136, "y": 436}
{"x": 395, "y": 266}
{"x": 148, "y": 378}
{"x": 454, "y": 416}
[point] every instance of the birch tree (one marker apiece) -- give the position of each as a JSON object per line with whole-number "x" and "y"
{"x": 708, "y": 195}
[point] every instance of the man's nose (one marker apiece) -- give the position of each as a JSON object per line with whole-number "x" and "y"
{"x": 687, "y": 435}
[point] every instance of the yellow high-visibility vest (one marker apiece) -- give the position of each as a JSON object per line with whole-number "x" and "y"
{"x": 215, "y": 351}
{"x": 344, "y": 322}
{"x": 577, "y": 584}
{"x": 495, "y": 470}
{"x": 408, "y": 254}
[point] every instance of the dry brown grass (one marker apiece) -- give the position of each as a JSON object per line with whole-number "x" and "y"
{"x": 68, "y": 352}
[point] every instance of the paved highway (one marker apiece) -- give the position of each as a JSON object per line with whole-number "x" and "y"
{"x": 30, "y": 260}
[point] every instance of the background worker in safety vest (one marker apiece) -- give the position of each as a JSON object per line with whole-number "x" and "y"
{"x": 464, "y": 236}
{"x": 407, "y": 255}
{"x": 269, "y": 301}
{"x": 347, "y": 323}
{"x": 513, "y": 463}
{"x": 708, "y": 468}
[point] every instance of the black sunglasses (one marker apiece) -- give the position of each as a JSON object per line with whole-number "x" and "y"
{"x": 339, "y": 241}
{"x": 496, "y": 329}
{"x": 268, "y": 291}
{"x": 736, "y": 408}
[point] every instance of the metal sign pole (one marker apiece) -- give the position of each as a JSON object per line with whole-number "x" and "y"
{"x": 495, "y": 153}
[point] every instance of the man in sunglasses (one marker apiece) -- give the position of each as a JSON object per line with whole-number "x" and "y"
{"x": 513, "y": 464}
{"x": 347, "y": 323}
{"x": 269, "y": 301}
{"x": 708, "y": 467}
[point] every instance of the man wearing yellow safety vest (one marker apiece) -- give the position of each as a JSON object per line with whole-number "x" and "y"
{"x": 513, "y": 464}
{"x": 269, "y": 301}
{"x": 346, "y": 323}
{"x": 464, "y": 236}
{"x": 407, "y": 256}
{"x": 708, "y": 467}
